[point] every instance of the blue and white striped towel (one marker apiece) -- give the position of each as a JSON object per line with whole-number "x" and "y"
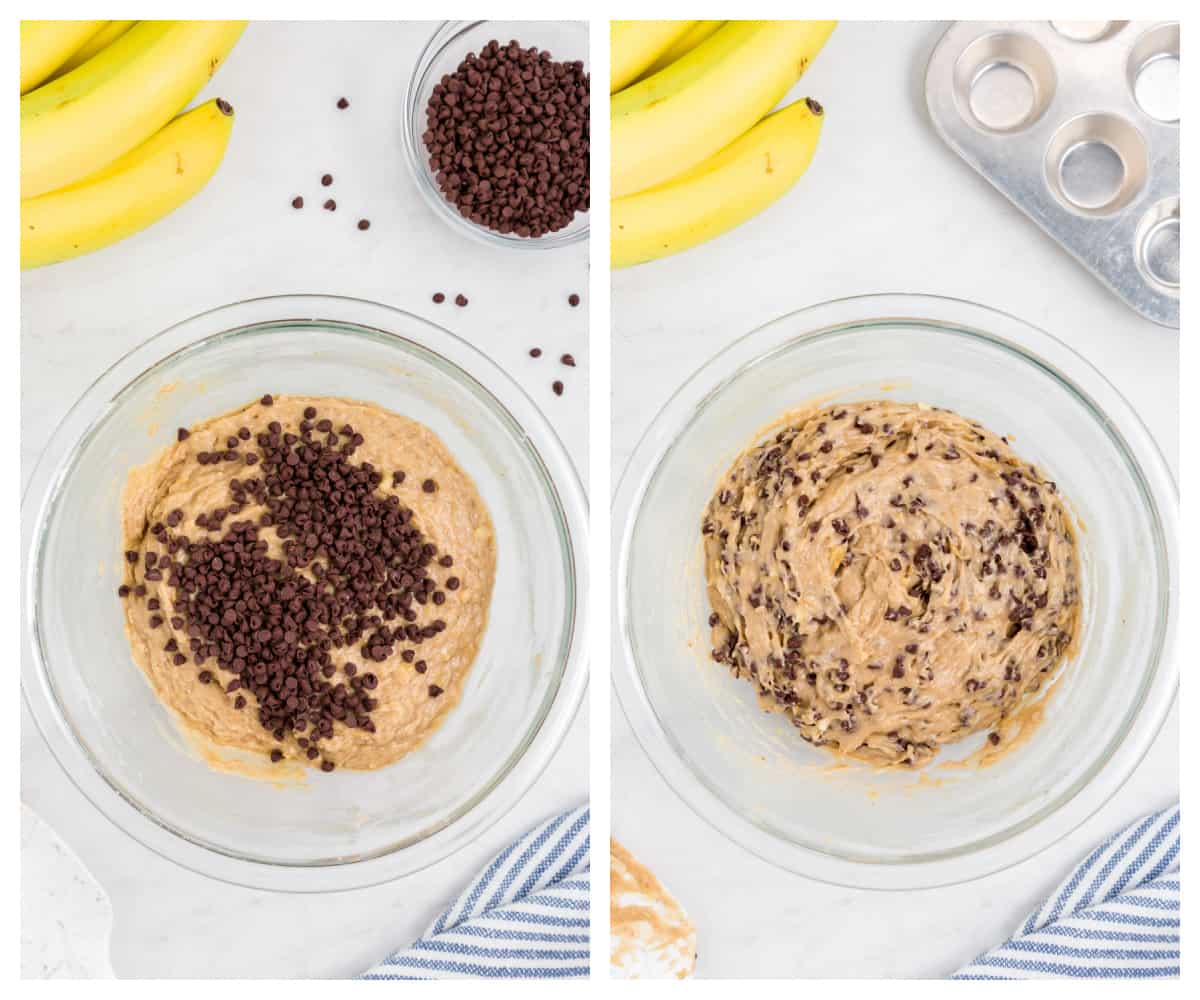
{"x": 526, "y": 916}
{"x": 1116, "y": 916}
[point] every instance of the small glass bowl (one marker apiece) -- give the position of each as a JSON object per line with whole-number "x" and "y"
{"x": 747, "y": 772}
{"x": 452, "y": 42}
{"x": 310, "y": 832}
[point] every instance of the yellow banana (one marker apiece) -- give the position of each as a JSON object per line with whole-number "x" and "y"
{"x": 720, "y": 193}
{"x": 699, "y": 31}
{"x": 129, "y": 194}
{"x": 103, "y": 38}
{"x": 634, "y": 45}
{"x": 699, "y": 104}
{"x": 45, "y": 45}
{"x": 73, "y": 126}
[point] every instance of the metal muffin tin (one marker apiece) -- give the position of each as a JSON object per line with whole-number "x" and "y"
{"x": 1077, "y": 123}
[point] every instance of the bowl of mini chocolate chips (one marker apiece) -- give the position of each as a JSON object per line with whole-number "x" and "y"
{"x": 497, "y": 133}
{"x": 305, "y": 593}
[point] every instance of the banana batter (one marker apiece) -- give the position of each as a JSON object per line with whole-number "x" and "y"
{"x": 362, "y": 685}
{"x": 892, "y": 576}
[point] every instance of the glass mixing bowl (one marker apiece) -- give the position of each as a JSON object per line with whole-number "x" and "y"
{"x": 330, "y": 831}
{"x": 748, "y": 772}
{"x": 453, "y": 41}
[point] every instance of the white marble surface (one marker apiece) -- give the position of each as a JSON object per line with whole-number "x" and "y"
{"x": 240, "y": 238}
{"x": 885, "y": 207}
{"x": 66, "y": 917}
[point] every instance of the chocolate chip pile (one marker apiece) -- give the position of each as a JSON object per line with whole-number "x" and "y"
{"x": 354, "y": 571}
{"x": 508, "y": 138}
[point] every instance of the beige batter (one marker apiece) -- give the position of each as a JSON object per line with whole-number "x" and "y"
{"x": 892, "y": 576}
{"x": 454, "y": 518}
{"x": 650, "y": 935}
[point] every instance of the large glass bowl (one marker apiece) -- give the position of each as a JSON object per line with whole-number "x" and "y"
{"x": 452, "y": 42}
{"x": 746, "y": 771}
{"x": 327, "y": 831}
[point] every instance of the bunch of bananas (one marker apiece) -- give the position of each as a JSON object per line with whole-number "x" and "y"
{"x": 103, "y": 154}
{"x": 695, "y": 150}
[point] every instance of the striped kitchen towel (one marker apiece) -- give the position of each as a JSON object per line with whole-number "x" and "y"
{"x": 1116, "y": 916}
{"x": 524, "y": 917}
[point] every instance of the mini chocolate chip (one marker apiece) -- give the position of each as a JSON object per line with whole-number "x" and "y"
{"x": 460, "y": 300}
{"x": 326, "y": 180}
{"x": 297, "y": 202}
{"x": 573, "y": 300}
{"x": 342, "y": 104}
{"x": 557, "y": 387}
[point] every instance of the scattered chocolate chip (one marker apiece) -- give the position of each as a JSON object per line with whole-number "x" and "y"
{"x": 434, "y": 690}
{"x": 572, "y": 300}
{"x": 297, "y": 202}
{"x": 460, "y": 300}
{"x": 330, "y": 205}
{"x": 364, "y": 224}
{"x": 342, "y": 104}
{"x": 568, "y": 360}
{"x": 326, "y": 180}
{"x": 535, "y": 352}
{"x": 558, "y": 388}
{"x": 439, "y": 297}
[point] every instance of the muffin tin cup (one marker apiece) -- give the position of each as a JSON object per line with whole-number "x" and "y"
{"x": 1076, "y": 123}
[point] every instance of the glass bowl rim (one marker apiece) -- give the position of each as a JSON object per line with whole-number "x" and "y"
{"x": 446, "y": 32}
{"x": 460, "y": 361}
{"x": 1030, "y": 345}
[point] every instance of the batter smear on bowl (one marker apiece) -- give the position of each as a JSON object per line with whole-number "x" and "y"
{"x": 892, "y": 576}
{"x": 307, "y": 578}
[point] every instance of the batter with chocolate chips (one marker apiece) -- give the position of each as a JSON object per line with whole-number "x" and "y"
{"x": 892, "y": 576}
{"x": 307, "y": 578}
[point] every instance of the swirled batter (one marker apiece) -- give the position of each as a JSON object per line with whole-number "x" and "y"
{"x": 892, "y": 576}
